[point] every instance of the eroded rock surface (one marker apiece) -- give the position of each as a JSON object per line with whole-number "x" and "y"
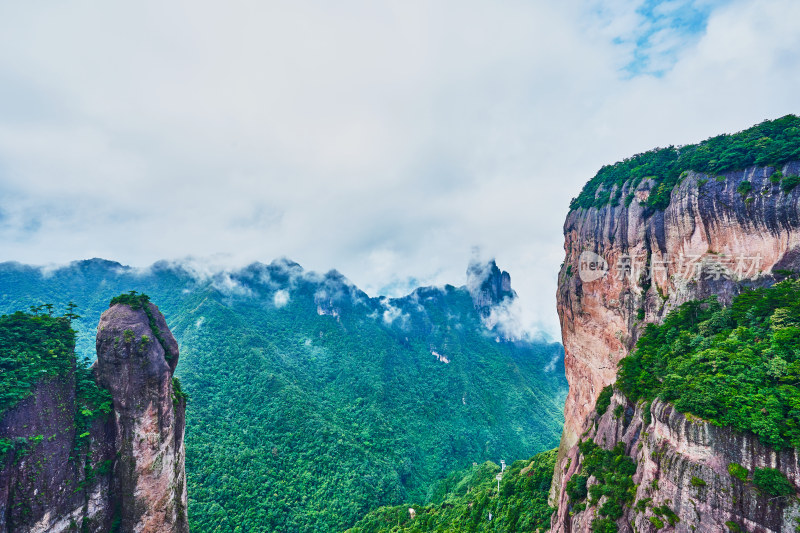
{"x": 136, "y": 358}
{"x": 711, "y": 239}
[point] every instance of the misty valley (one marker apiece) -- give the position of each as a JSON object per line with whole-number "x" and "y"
{"x": 273, "y": 398}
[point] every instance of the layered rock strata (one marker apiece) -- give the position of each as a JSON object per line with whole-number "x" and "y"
{"x": 629, "y": 265}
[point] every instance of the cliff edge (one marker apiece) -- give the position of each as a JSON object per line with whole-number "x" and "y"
{"x": 629, "y": 261}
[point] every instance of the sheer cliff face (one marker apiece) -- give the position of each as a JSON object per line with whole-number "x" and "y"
{"x": 136, "y": 363}
{"x": 60, "y": 482}
{"x": 127, "y": 471}
{"x": 626, "y": 266}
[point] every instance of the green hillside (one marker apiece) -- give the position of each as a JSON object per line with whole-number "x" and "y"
{"x": 468, "y": 501}
{"x": 312, "y": 403}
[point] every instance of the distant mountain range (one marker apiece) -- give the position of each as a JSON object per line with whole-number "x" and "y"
{"x": 312, "y": 403}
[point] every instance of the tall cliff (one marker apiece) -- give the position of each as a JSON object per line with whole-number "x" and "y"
{"x": 629, "y": 261}
{"x": 93, "y": 450}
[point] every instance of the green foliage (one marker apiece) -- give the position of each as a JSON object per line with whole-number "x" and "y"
{"x": 38, "y": 347}
{"x": 604, "y": 525}
{"x": 604, "y": 400}
{"x": 776, "y": 177}
{"x": 305, "y": 421}
{"x": 132, "y": 299}
{"x": 345, "y": 414}
{"x": 613, "y": 471}
{"x": 735, "y": 367}
{"x": 789, "y": 183}
{"x": 576, "y": 487}
{"x": 733, "y": 526}
{"x": 667, "y": 513}
{"x": 773, "y": 482}
{"x": 629, "y": 199}
{"x": 698, "y": 482}
{"x": 744, "y": 188}
{"x": 771, "y": 143}
{"x": 656, "y": 521}
{"x": 647, "y": 415}
{"x": 738, "y": 471}
{"x": 178, "y": 396}
{"x": 32, "y": 347}
{"x": 464, "y": 500}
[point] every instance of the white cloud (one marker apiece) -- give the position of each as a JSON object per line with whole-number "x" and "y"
{"x": 381, "y": 139}
{"x": 392, "y": 314}
{"x": 281, "y": 298}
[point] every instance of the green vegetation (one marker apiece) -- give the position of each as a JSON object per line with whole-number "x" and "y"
{"x": 465, "y": 500}
{"x": 613, "y": 471}
{"x": 698, "y": 482}
{"x": 32, "y": 347}
{"x": 302, "y": 420}
{"x": 738, "y": 471}
{"x": 346, "y": 414}
{"x": 789, "y": 183}
{"x": 744, "y": 188}
{"x": 178, "y": 396}
{"x": 771, "y": 143}
{"x": 667, "y": 513}
{"x": 772, "y": 481}
{"x": 604, "y": 400}
{"x": 737, "y": 366}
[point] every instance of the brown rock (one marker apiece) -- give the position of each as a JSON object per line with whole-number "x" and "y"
{"x": 137, "y": 367}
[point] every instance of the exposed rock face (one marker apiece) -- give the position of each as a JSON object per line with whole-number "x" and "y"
{"x": 54, "y": 484}
{"x": 711, "y": 239}
{"x": 682, "y": 462}
{"x": 488, "y": 286}
{"x": 128, "y": 471}
{"x": 136, "y": 367}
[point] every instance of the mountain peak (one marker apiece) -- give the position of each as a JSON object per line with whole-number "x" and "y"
{"x": 488, "y": 285}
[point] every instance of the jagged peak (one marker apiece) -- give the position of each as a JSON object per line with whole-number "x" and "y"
{"x": 488, "y": 285}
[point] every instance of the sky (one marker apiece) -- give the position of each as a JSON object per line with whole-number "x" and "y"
{"x": 390, "y": 140}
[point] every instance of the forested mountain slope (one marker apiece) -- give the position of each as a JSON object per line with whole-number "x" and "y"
{"x": 311, "y": 403}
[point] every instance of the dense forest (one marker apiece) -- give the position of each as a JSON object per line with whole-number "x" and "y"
{"x": 769, "y": 144}
{"x": 311, "y": 403}
{"x": 735, "y": 366}
{"x": 469, "y": 501}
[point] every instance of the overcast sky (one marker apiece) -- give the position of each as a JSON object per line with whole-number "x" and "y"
{"x": 385, "y": 139}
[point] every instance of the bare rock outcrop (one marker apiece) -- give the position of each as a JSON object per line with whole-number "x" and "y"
{"x": 54, "y": 481}
{"x": 136, "y": 358}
